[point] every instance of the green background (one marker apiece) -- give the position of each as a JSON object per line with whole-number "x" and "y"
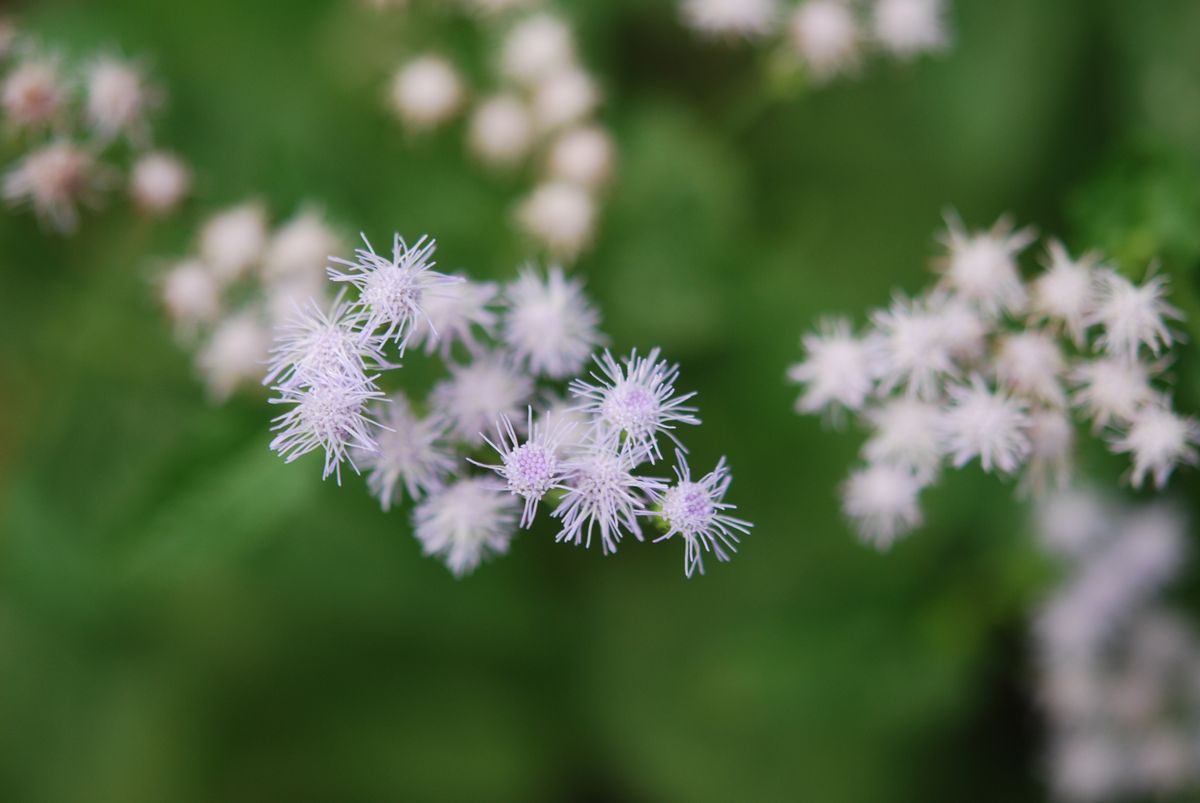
{"x": 184, "y": 618}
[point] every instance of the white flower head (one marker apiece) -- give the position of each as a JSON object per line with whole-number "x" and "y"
{"x": 452, "y": 316}
{"x": 696, "y": 511}
{"x": 730, "y": 18}
{"x": 826, "y": 37}
{"x": 550, "y": 325}
{"x": 1132, "y": 316}
{"x": 33, "y": 95}
{"x": 314, "y": 346}
{"x": 636, "y": 397}
{"x": 907, "y": 28}
{"x": 907, "y": 432}
{"x": 190, "y": 295}
{"x": 582, "y": 156}
{"x": 117, "y": 99}
{"x": 232, "y": 241}
{"x": 915, "y": 352}
{"x": 838, "y": 371}
{"x": 1052, "y": 442}
{"x": 1065, "y": 293}
{"x": 426, "y": 92}
{"x": 1110, "y": 389}
{"x": 501, "y": 131}
{"x": 55, "y": 180}
{"x": 881, "y": 501}
{"x": 1158, "y": 440}
{"x": 560, "y": 216}
{"x": 158, "y": 182}
{"x": 235, "y": 355}
{"x": 465, "y": 522}
{"x": 1030, "y": 364}
{"x": 300, "y": 248}
{"x": 602, "y": 493}
{"x": 477, "y": 394}
{"x": 392, "y": 292}
{"x": 981, "y": 266}
{"x": 532, "y": 466}
{"x": 409, "y": 453}
{"x": 537, "y": 47}
{"x": 964, "y": 328}
{"x": 331, "y": 416}
{"x": 986, "y": 424}
{"x": 563, "y": 98}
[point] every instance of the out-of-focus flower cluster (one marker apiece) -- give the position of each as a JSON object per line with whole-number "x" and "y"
{"x": 987, "y": 367}
{"x": 1118, "y": 673}
{"x": 78, "y": 131}
{"x": 242, "y": 280}
{"x": 533, "y": 113}
{"x": 827, "y": 38}
{"x": 496, "y": 438}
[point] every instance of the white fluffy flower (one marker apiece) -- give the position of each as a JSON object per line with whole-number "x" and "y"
{"x": 563, "y": 98}
{"x": 582, "y": 156}
{"x": 408, "y": 453}
{"x": 550, "y": 326}
{"x": 1158, "y": 440}
{"x": 477, "y": 394}
{"x": 501, "y": 131}
{"x": 981, "y": 266}
{"x": 915, "y": 352}
{"x": 464, "y": 522}
{"x": 300, "y": 247}
{"x": 881, "y": 501}
{"x": 1030, "y": 364}
{"x": 330, "y": 416}
{"x": 1065, "y": 293}
{"x": 233, "y": 241}
{"x": 907, "y": 432}
{"x": 392, "y": 292}
{"x": 695, "y": 510}
{"x": 191, "y": 295}
{"x": 636, "y": 397}
{"x": 426, "y": 92}
{"x": 315, "y": 347}
{"x": 235, "y": 354}
{"x": 117, "y": 98}
{"x": 537, "y": 47}
{"x": 55, "y": 180}
{"x": 602, "y": 493}
{"x": 533, "y": 466}
{"x": 452, "y": 316}
{"x": 825, "y": 35}
{"x": 965, "y": 329}
{"x": 1132, "y": 316}
{"x": 159, "y": 182}
{"x": 1052, "y": 440}
{"x": 838, "y": 371}
{"x": 560, "y": 216}
{"x": 33, "y": 94}
{"x": 1110, "y": 389}
{"x": 986, "y": 424}
{"x": 748, "y": 18}
{"x": 909, "y": 27}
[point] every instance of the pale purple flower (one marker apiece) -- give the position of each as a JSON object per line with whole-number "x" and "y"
{"x": 696, "y": 511}
{"x": 410, "y": 453}
{"x": 1030, "y": 363}
{"x": 602, "y": 493}
{"x": 637, "y": 397}
{"x": 986, "y": 424}
{"x": 981, "y": 266}
{"x": 1158, "y": 439}
{"x": 914, "y": 351}
{"x": 465, "y": 522}
{"x": 881, "y": 501}
{"x": 825, "y": 36}
{"x": 235, "y": 354}
{"x": 452, "y": 316}
{"x": 907, "y": 432}
{"x": 34, "y": 95}
{"x": 838, "y": 371}
{"x": 550, "y": 325}
{"x": 530, "y": 466}
{"x": 316, "y": 346}
{"x": 232, "y": 241}
{"x": 118, "y": 99}
{"x": 55, "y": 180}
{"x": 907, "y": 28}
{"x": 329, "y": 416}
{"x": 426, "y": 92}
{"x": 1110, "y": 389}
{"x": 1065, "y": 293}
{"x": 158, "y": 182}
{"x": 478, "y": 393}
{"x": 1132, "y": 316}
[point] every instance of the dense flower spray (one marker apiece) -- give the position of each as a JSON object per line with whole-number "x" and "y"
{"x": 81, "y": 128}
{"x": 495, "y": 442}
{"x": 987, "y": 369}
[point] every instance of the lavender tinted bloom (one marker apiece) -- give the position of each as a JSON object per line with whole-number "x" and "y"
{"x": 454, "y": 314}
{"x": 1132, "y": 316}
{"x": 479, "y": 393}
{"x": 550, "y": 326}
{"x": 1159, "y": 440}
{"x": 881, "y": 500}
{"x": 465, "y": 522}
{"x": 696, "y": 511}
{"x": 914, "y": 351}
{"x": 602, "y": 493}
{"x": 392, "y": 291}
{"x": 986, "y": 424}
{"x": 533, "y": 466}
{"x": 636, "y": 397}
{"x": 838, "y": 371}
{"x": 982, "y": 267}
{"x": 410, "y": 453}
{"x": 330, "y": 416}
{"x": 319, "y": 347}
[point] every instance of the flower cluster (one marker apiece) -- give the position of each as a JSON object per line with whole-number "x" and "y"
{"x": 1119, "y": 675}
{"x": 828, "y": 38}
{"x": 244, "y": 279}
{"x": 496, "y": 439}
{"x": 74, "y": 125}
{"x": 539, "y": 108}
{"x": 987, "y": 368}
